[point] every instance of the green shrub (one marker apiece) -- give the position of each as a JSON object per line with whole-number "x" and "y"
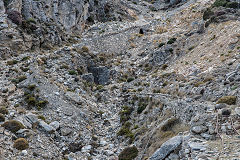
{"x": 161, "y": 44}
{"x": 2, "y": 117}
{"x": 125, "y": 113}
{"x": 13, "y": 125}
{"x": 31, "y": 87}
{"x": 21, "y": 144}
{"x": 232, "y": 5}
{"x": 123, "y": 131}
{"x": 31, "y": 20}
{"x": 31, "y": 101}
{"x": 41, "y": 117}
{"x": 164, "y": 66}
{"x": 99, "y": 87}
{"x": 170, "y": 50}
{"x": 141, "y": 107}
{"x": 171, "y": 41}
{"x": 230, "y": 100}
{"x": 128, "y": 153}
{"x": 41, "y": 104}
{"x": 207, "y": 14}
{"x": 72, "y": 72}
{"x": 219, "y": 3}
{"x": 3, "y": 110}
{"x": 22, "y": 78}
{"x": 12, "y": 62}
{"x": 130, "y": 79}
{"x": 6, "y": 2}
{"x": 25, "y": 58}
{"x": 85, "y": 49}
{"x": 24, "y": 69}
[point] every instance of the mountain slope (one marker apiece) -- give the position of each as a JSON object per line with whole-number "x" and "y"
{"x": 125, "y": 80}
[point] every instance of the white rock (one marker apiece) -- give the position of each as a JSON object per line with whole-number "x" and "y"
{"x": 86, "y": 148}
{"x": 237, "y": 110}
{"x": 55, "y": 125}
{"x": 103, "y": 143}
{"x": 109, "y": 152}
{"x": 24, "y": 152}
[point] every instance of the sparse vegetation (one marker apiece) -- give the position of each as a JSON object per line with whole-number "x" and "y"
{"x": 225, "y": 3}
{"x": 31, "y": 20}
{"x": 141, "y": 107}
{"x": 125, "y": 113}
{"x": 31, "y": 87}
{"x": 169, "y": 124}
{"x": 3, "y": 110}
{"x": 128, "y": 153}
{"x": 85, "y": 49}
{"x": 161, "y": 44}
{"x": 219, "y": 3}
{"x": 2, "y": 117}
{"x": 171, "y": 41}
{"x": 21, "y": 144}
{"x": 13, "y": 125}
{"x": 130, "y": 79}
{"x": 12, "y": 62}
{"x": 34, "y": 100}
{"x": 164, "y": 66}
{"x": 72, "y": 72}
{"x": 230, "y": 100}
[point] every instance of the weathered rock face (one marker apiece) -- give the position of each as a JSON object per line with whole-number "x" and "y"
{"x": 29, "y": 24}
{"x": 165, "y": 4}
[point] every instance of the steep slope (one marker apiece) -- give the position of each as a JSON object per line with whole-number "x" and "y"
{"x": 145, "y": 80}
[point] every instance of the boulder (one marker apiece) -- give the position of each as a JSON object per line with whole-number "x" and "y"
{"x": 199, "y": 129}
{"x": 88, "y": 77}
{"x": 46, "y": 127}
{"x": 167, "y": 148}
{"x": 101, "y": 74}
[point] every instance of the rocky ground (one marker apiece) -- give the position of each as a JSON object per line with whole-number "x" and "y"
{"x": 148, "y": 80}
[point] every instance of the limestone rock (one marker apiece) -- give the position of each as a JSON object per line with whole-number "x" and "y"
{"x": 167, "y": 148}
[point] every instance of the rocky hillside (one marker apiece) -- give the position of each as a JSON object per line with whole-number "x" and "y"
{"x": 124, "y": 79}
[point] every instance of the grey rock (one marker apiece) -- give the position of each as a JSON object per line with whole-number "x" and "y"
{"x": 167, "y": 148}
{"x": 101, "y": 74}
{"x": 220, "y": 106}
{"x": 207, "y": 136}
{"x": 31, "y": 118}
{"x": 103, "y": 143}
{"x": 46, "y": 127}
{"x": 88, "y": 77}
{"x": 199, "y": 129}
{"x": 74, "y": 97}
{"x": 24, "y": 133}
{"x": 109, "y": 152}
{"x": 161, "y": 56}
{"x": 237, "y": 110}
{"x": 55, "y": 125}
{"x": 226, "y": 112}
{"x": 224, "y": 128}
{"x": 86, "y": 148}
{"x": 65, "y": 131}
{"x": 211, "y": 129}
{"x": 173, "y": 156}
{"x": 197, "y": 146}
{"x": 237, "y": 68}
